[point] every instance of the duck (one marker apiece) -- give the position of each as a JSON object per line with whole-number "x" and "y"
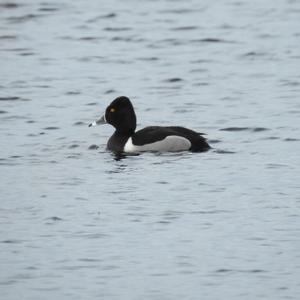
{"x": 121, "y": 115}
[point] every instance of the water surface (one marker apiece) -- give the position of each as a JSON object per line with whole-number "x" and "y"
{"x": 75, "y": 223}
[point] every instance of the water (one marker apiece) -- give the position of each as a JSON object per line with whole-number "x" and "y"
{"x": 77, "y": 223}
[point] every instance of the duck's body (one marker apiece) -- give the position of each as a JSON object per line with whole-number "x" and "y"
{"x": 121, "y": 115}
{"x": 157, "y": 138}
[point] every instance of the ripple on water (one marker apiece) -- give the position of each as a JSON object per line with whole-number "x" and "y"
{"x": 252, "y": 129}
{"x": 178, "y": 11}
{"x": 184, "y": 28}
{"x": 72, "y": 93}
{"x": 117, "y": 29}
{"x": 73, "y": 146}
{"x": 16, "y": 156}
{"x": 48, "y": 9}
{"x": 13, "y": 98}
{"x": 73, "y": 156}
{"x": 9, "y": 5}
{"x": 224, "y": 270}
{"x": 220, "y": 151}
{"x": 93, "y": 147}
{"x": 79, "y": 123}
{"x": 52, "y": 220}
{"x": 89, "y": 38}
{"x": 254, "y": 54}
{"x": 8, "y": 37}
{"x": 105, "y": 16}
{"x": 276, "y": 166}
{"x": 8, "y": 162}
{"x": 90, "y": 260}
{"x": 51, "y": 128}
{"x": 88, "y": 235}
{"x": 289, "y": 82}
{"x": 174, "y": 79}
{"x": 271, "y": 138}
{"x": 211, "y": 40}
{"x": 211, "y": 212}
{"x": 110, "y": 91}
{"x": 215, "y": 141}
{"x": 12, "y": 241}
{"x": 291, "y": 140}
{"x": 24, "y": 18}
{"x": 150, "y": 58}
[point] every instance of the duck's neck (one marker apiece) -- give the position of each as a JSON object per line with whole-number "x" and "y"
{"x": 118, "y": 140}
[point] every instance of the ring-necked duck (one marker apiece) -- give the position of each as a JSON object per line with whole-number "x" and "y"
{"x": 120, "y": 114}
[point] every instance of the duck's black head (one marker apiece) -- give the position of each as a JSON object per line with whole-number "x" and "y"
{"x": 121, "y": 115}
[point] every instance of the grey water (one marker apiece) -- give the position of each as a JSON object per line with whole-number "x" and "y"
{"x": 76, "y": 222}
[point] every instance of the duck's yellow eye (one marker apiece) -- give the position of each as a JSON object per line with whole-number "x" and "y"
{"x": 112, "y": 110}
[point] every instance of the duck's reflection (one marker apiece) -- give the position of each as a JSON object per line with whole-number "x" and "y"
{"x": 117, "y": 156}
{"x": 121, "y": 160}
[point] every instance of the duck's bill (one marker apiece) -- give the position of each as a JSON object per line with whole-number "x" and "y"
{"x": 98, "y": 122}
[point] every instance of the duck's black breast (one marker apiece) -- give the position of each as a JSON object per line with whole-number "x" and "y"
{"x": 117, "y": 141}
{"x": 153, "y": 134}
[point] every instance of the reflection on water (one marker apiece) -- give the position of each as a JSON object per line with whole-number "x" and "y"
{"x": 80, "y": 222}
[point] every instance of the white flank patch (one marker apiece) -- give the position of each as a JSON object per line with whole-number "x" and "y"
{"x": 171, "y": 143}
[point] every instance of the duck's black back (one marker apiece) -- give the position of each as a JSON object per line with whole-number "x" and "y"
{"x": 154, "y": 134}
